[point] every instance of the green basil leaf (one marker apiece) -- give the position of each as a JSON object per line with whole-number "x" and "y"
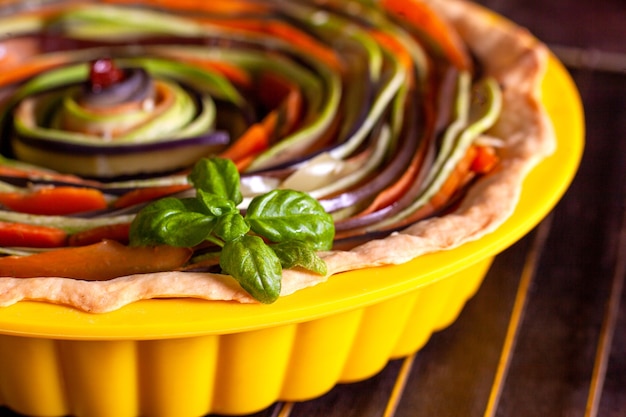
{"x": 231, "y": 226}
{"x": 299, "y": 254}
{"x": 214, "y": 204}
{"x": 283, "y": 215}
{"x": 186, "y": 229}
{"x": 254, "y": 265}
{"x": 193, "y": 204}
{"x": 144, "y": 230}
{"x": 217, "y": 176}
{"x": 168, "y": 221}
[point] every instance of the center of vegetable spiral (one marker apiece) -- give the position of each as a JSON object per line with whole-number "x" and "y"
{"x": 116, "y": 90}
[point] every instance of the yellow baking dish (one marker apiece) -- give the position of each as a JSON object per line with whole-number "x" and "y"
{"x": 185, "y": 357}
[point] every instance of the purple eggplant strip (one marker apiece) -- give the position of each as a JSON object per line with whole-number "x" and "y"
{"x": 441, "y": 115}
{"x": 413, "y": 139}
{"x": 389, "y": 173}
{"x": 216, "y": 138}
{"x": 293, "y": 163}
{"x": 52, "y": 41}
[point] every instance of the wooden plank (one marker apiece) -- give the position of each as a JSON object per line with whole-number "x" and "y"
{"x": 365, "y": 398}
{"x": 454, "y": 374}
{"x": 552, "y": 372}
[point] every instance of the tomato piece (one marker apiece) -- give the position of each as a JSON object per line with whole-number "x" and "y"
{"x": 104, "y": 73}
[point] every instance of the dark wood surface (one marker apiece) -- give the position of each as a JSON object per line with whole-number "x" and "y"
{"x": 546, "y": 333}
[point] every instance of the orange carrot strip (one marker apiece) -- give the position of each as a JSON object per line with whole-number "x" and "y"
{"x": 243, "y": 163}
{"x": 485, "y": 160}
{"x": 30, "y": 68}
{"x": 230, "y": 6}
{"x": 424, "y": 19}
{"x": 453, "y": 183}
{"x": 118, "y": 232}
{"x": 144, "y": 195}
{"x": 457, "y": 179}
{"x": 31, "y": 236}
{"x": 286, "y": 100}
{"x": 285, "y": 97}
{"x": 18, "y": 50}
{"x": 281, "y": 30}
{"x": 16, "y": 172}
{"x": 54, "y": 200}
{"x": 392, "y": 193}
{"x": 233, "y": 73}
{"x": 230, "y": 71}
{"x": 101, "y": 261}
{"x": 398, "y": 188}
{"x": 397, "y": 49}
{"x": 253, "y": 141}
{"x": 303, "y": 42}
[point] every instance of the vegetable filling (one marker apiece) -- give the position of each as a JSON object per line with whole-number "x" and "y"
{"x": 241, "y": 141}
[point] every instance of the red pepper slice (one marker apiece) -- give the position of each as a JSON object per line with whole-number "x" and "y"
{"x": 118, "y": 232}
{"x": 54, "y": 200}
{"x": 31, "y": 236}
{"x": 485, "y": 160}
{"x": 144, "y": 195}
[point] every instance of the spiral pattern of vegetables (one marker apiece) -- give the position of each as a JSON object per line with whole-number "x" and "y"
{"x": 378, "y": 116}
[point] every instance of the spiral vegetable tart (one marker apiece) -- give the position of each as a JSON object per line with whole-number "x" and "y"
{"x": 245, "y": 150}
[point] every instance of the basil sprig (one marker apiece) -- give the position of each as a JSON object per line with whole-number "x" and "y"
{"x": 281, "y": 229}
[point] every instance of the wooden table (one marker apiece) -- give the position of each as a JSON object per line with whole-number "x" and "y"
{"x": 546, "y": 333}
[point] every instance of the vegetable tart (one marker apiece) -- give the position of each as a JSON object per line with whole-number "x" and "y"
{"x": 252, "y": 149}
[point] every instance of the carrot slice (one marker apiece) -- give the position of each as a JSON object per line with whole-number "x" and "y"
{"x": 118, "y": 232}
{"x": 243, "y": 163}
{"x": 233, "y": 73}
{"x": 230, "y": 71}
{"x": 398, "y": 50}
{"x": 30, "y": 68}
{"x": 144, "y": 195}
{"x": 285, "y": 98}
{"x": 485, "y": 160}
{"x": 392, "y": 193}
{"x": 459, "y": 177}
{"x": 424, "y": 19}
{"x": 31, "y": 236}
{"x": 101, "y": 261}
{"x": 253, "y": 141}
{"x": 54, "y": 200}
{"x": 18, "y": 50}
{"x": 226, "y": 7}
{"x": 298, "y": 38}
